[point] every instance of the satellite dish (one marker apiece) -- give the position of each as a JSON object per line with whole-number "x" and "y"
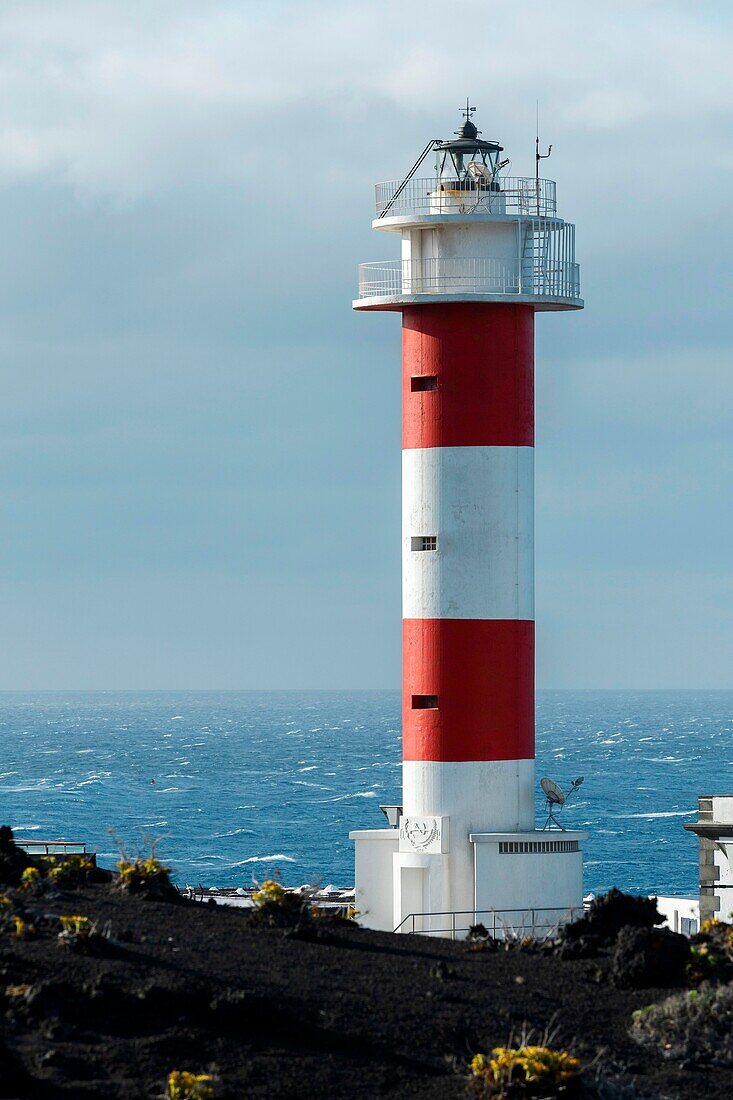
{"x": 553, "y": 792}
{"x": 555, "y": 799}
{"x": 478, "y": 171}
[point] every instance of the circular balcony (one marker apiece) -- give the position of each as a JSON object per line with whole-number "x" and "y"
{"x": 546, "y": 286}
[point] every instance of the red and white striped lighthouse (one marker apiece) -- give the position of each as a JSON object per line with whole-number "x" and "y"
{"x": 481, "y": 254}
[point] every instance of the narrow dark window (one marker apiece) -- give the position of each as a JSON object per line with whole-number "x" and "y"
{"x": 424, "y": 542}
{"x": 419, "y": 383}
{"x": 425, "y": 702}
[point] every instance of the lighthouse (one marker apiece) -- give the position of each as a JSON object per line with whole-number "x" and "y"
{"x": 482, "y": 253}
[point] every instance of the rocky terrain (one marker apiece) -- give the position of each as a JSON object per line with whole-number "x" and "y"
{"x": 281, "y": 1005}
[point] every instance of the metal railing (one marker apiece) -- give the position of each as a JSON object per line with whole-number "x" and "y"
{"x": 465, "y": 276}
{"x": 52, "y": 847}
{"x": 540, "y": 923}
{"x": 518, "y": 195}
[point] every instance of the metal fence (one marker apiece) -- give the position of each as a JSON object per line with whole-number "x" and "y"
{"x": 52, "y": 847}
{"x": 465, "y": 276}
{"x": 517, "y": 195}
{"x": 539, "y": 924}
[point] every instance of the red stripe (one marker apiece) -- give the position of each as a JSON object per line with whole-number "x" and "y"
{"x": 483, "y": 358}
{"x": 482, "y": 671}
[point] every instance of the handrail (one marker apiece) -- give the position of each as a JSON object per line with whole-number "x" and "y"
{"x": 566, "y": 913}
{"x": 515, "y": 195}
{"x": 470, "y": 275}
{"x": 79, "y": 846}
{"x": 398, "y": 191}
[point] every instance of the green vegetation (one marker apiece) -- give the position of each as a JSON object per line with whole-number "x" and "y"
{"x": 142, "y": 874}
{"x": 69, "y": 871}
{"x": 711, "y": 953}
{"x": 696, "y": 1026}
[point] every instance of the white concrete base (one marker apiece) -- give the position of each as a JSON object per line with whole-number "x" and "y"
{"x": 374, "y": 853}
{"x": 528, "y": 881}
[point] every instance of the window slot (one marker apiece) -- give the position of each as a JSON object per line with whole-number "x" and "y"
{"x": 421, "y": 383}
{"x": 425, "y": 702}
{"x": 424, "y": 542}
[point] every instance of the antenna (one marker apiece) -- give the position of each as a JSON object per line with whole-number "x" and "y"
{"x": 555, "y": 799}
{"x": 537, "y": 158}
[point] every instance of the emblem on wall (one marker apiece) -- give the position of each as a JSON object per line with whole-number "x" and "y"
{"x": 427, "y": 835}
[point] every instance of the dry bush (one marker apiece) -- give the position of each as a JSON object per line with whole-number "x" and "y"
{"x": 689, "y": 1027}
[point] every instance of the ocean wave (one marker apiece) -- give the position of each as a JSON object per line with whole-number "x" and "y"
{"x": 266, "y": 859}
{"x": 347, "y": 797}
{"x": 662, "y": 813}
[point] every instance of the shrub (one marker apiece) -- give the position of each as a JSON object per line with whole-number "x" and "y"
{"x": 13, "y": 860}
{"x": 71, "y": 871}
{"x": 711, "y": 953}
{"x": 24, "y": 929}
{"x": 646, "y": 957}
{"x": 15, "y": 992}
{"x": 79, "y": 933}
{"x": 144, "y": 874}
{"x": 30, "y": 877}
{"x": 527, "y": 1071}
{"x": 276, "y": 907}
{"x": 611, "y": 912}
{"x": 695, "y": 1026}
{"x": 183, "y": 1085}
{"x": 269, "y": 892}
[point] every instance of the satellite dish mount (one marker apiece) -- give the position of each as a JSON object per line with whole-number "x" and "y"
{"x": 555, "y": 799}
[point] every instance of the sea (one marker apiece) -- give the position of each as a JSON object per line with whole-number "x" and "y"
{"x": 234, "y": 787}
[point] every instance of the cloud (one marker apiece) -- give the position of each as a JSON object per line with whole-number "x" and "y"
{"x": 120, "y": 99}
{"x": 186, "y": 191}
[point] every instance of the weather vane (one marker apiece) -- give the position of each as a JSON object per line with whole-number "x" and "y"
{"x": 468, "y": 110}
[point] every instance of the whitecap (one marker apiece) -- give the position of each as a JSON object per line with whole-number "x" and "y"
{"x": 265, "y": 859}
{"x": 345, "y": 797}
{"x": 662, "y": 813}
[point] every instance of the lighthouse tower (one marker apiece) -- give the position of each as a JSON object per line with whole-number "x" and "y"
{"x": 482, "y": 253}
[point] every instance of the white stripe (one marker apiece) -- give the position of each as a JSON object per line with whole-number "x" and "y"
{"x": 479, "y": 796}
{"x": 479, "y": 501}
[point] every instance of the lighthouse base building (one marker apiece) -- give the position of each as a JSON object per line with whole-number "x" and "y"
{"x": 481, "y": 255}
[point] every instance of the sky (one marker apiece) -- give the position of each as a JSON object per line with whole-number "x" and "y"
{"x": 200, "y": 440}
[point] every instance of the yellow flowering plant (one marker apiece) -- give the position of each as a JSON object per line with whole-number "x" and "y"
{"x": 138, "y": 873}
{"x": 77, "y": 926}
{"x": 71, "y": 870}
{"x": 22, "y": 989}
{"x": 31, "y": 877}
{"x": 270, "y": 892}
{"x": 23, "y": 929}
{"x": 183, "y": 1085}
{"x": 526, "y": 1071}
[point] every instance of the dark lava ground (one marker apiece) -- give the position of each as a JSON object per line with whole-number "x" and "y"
{"x": 351, "y": 1014}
